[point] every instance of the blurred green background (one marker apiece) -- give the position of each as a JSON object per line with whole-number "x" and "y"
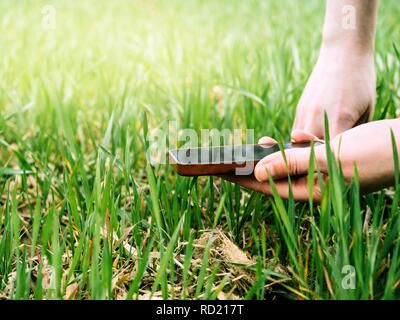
{"x": 72, "y": 101}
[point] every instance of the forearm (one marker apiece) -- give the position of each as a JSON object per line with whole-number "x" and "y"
{"x": 350, "y": 24}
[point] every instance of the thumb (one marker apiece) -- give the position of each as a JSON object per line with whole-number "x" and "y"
{"x": 274, "y": 165}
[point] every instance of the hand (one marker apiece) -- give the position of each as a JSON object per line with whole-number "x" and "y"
{"x": 342, "y": 84}
{"x": 343, "y": 80}
{"x": 368, "y": 146}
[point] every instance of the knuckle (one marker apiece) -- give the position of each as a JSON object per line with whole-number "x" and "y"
{"x": 345, "y": 116}
{"x": 292, "y": 163}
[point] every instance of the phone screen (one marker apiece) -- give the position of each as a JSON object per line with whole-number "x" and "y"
{"x": 223, "y": 154}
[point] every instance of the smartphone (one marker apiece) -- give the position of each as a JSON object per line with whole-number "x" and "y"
{"x": 236, "y": 159}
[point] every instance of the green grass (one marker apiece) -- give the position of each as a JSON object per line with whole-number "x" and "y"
{"x": 83, "y": 215}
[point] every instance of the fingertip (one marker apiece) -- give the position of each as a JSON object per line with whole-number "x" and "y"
{"x": 303, "y": 136}
{"x": 267, "y": 140}
{"x": 259, "y": 174}
{"x": 262, "y": 172}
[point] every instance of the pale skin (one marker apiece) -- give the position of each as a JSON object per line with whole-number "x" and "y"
{"x": 342, "y": 85}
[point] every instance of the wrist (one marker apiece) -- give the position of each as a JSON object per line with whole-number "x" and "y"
{"x": 350, "y": 25}
{"x": 348, "y": 43}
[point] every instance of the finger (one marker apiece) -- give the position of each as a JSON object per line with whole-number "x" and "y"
{"x": 276, "y": 167}
{"x": 315, "y": 127}
{"x": 303, "y": 136}
{"x": 267, "y": 140}
{"x": 249, "y": 183}
{"x": 299, "y": 187}
{"x": 308, "y": 128}
{"x": 343, "y": 123}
